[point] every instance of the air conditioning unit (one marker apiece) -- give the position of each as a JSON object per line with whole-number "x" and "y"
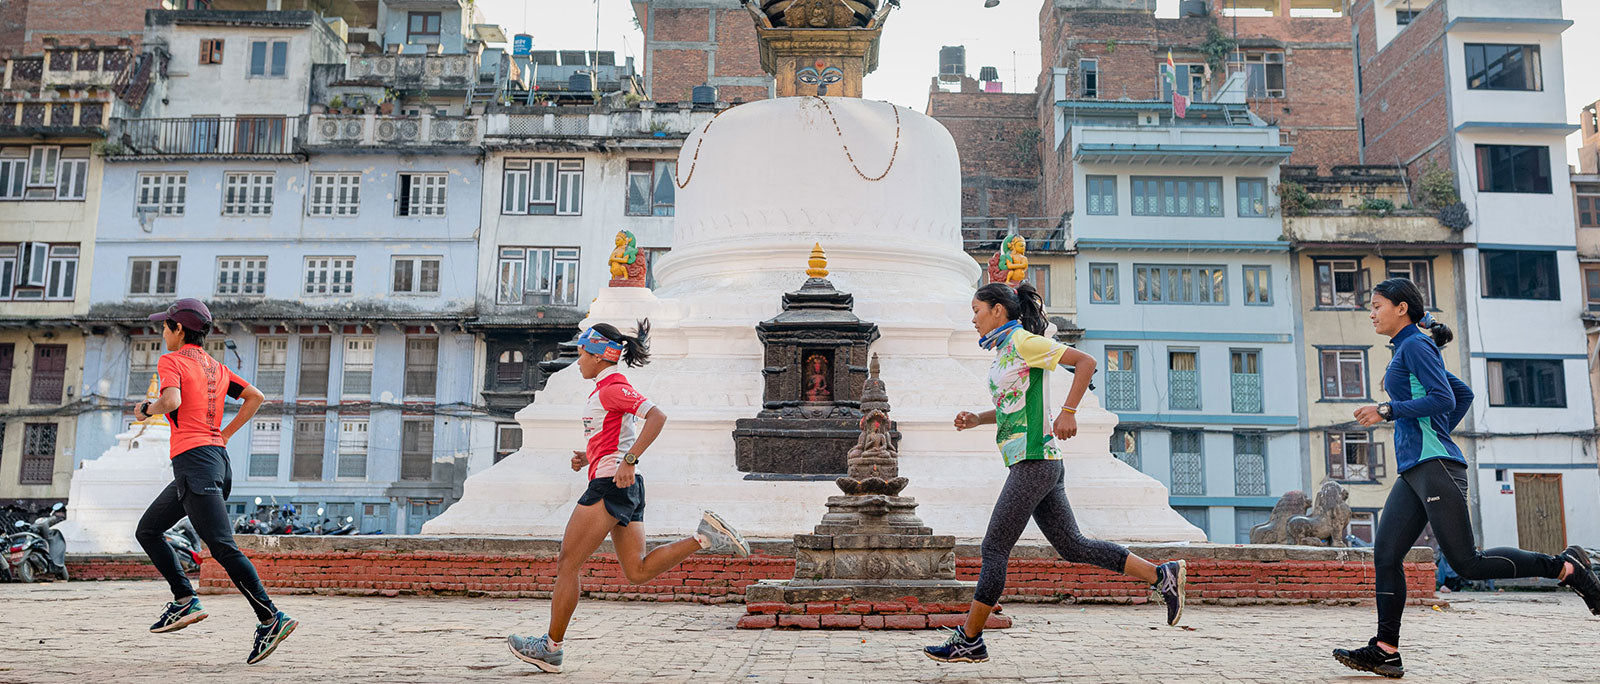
{"x": 34, "y": 269}
{"x": 1149, "y": 119}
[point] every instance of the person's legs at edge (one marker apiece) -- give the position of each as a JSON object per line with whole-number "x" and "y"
{"x": 640, "y": 567}
{"x": 209, "y": 515}
{"x": 585, "y": 531}
{"x": 163, "y": 513}
{"x": 1400, "y": 524}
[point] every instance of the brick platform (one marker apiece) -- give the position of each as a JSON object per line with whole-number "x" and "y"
{"x": 111, "y": 566}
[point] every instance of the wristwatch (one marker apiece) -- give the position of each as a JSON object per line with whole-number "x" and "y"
{"x": 1386, "y": 411}
{"x": 630, "y": 458}
{"x": 143, "y": 407}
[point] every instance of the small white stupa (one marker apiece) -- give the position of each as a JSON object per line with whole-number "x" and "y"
{"x": 109, "y": 494}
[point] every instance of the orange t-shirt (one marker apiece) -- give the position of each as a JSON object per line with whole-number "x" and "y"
{"x": 204, "y": 383}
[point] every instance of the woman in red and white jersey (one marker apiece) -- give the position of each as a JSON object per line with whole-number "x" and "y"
{"x": 619, "y": 424}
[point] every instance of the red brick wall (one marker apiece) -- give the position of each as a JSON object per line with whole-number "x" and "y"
{"x": 674, "y": 72}
{"x": 103, "y": 21}
{"x": 13, "y": 24}
{"x": 1403, "y": 96}
{"x": 999, "y": 141}
{"x": 112, "y": 567}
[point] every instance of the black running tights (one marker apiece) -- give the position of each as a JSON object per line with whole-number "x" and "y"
{"x": 1037, "y": 488}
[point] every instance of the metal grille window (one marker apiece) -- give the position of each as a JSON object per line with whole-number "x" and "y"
{"x": 651, "y": 191}
{"x": 247, "y": 194}
{"x": 1171, "y": 196}
{"x": 1102, "y": 283}
{"x": 1344, "y": 374}
{"x": 8, "y": 353}
{"x": 358, "y": 366}
{"x": 1125, "y": 446}
{"x": 1258, "y": 285}
{"x": 422, "y": 366}
{"x": 1246, "y": 380}
{"x": 422, "y": 194}
{"x": 272, "y": 362}
{"x": 1089, "y": 79}
{"x": 163, "y": 193}
{"x": 416, "y": 450}
{"x": 416, "y": 275}
{"x": 151, "y": 277}
{"x": 1180, "y": 284}
{"x": 308, "y": 446}
{"x": 1252, "y": 197}
{"x": 1188, "y": 464}
{"x": 314, "y": 359}
{"x": 1249, "y": 464}
{"x": 508, "y": 439}
{"x": 1527, "y": 383}
{"x": 266, "y": 438}
{"x": 1342, "y": 284}
{"x": 1122, "y": 380}
{"x": 38, "y": 454}
{"x": 143, "y": 354}
{"x": 330, "y": 275}
{"x": 335, "y": 194}
{"x": 1183, "y": 380}
{"x": 241, "y": 276}
{"x": 49, "y": 374}
{"x": 352, "y": 450}
{"x": 1102, "y": 195}
{"x": 1354, "y": 457}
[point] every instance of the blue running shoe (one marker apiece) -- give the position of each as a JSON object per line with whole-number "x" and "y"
{"x": 959, "y": 649}
{"x": 1172, "y": 577}
{"x": 177, "y": 616}
{"x": 536, "y": 651}
{"x": 269, "y": 635}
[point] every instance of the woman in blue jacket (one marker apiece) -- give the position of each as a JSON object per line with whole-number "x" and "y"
{"x": 1425, "y": 403}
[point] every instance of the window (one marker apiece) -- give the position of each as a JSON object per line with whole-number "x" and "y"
{"x": 416, "y": 450}
{"x": 1591, "y": 287}
{"x": 335, "y": 194}
{"x": 1249, "y": 464}
{"x": 1342, "y": 284}
{"x": 1258, "y": 285}
{"x": 152, "y": 276}
{"x": 259, "y": 135}
{"x": 241, "y": 276}
{"x": 1246, "y": 380}
{"x": 73, "y": 181}
{"x": 1191, "y": 80}
{"x": 1167, "y": 196}
{"x": 12, "y": 174}
{"x": 508, "y": 439}
{"x": 1344, "y": 374}
{"x": 8, "y": 270}
{"x": 543, "y": 187}
{"x": 1188, "y": 464}
{"x": 422, "y": 27}
{"x": 1180, "y": 284}
{"x": 329, "y": 275}
{"x": 352, "y": 463}
{"x": 314, "y": 359}
{"x": 1183, "y": 380}
{"x": 1263, "y": 72}
{"x": 1419, "y": 271}
{"x": 269, "y": 58}
{"x": 1102, "y": 195}
{"x": 1402, "y": 18}
{"x": 1102, "y": 283}
{"x": 1354, "y": 457}
{"x": 49, "y": 374}
{"x": 1125, "y": 446}
{"x": 1039, "y": 277}
{"x": 43, "y": 162}
{"x": 535, "y": 275}
{"x": 510, "y": 368}
{"x": 1530, "y": 383}
{"x": 1503, "y": 67}
{"x": 1513, "y": 168}
{"x": 247, "y": 194}
{"x": 1252, "y": 197}
{"x": 265, "y": 438}
{"x": 143, "y": 354}
{"x": 211, "y": 51}
{"x": 272, "y": 362}
{"x": 358, "y": 366}
{"x": 1362, "y": 525}
{"x": 1088, "y": 79}
{"x": 38, "y": 454}
{"x": 1588, "y": 197}
{"x": 1516, "y": 274}
{"x": 162, "y": 193}
{"x": 416, "y": 275}
{"x": 39, "y": 271}
{"x": 8, "y": 352}
{"x": 651, "y": 189}
{"x": 308, "y": 434}
{"x": 422, "y": 366}
{"x": 421, "y": 194}
{"x": 1246, "y": 518}
{"x": 1122, "y": 379}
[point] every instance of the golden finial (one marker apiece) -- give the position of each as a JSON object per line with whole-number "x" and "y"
{"x": 152, "y": 393}
{"x": 818, "y": 262}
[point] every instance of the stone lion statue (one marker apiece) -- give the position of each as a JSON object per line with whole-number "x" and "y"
{"x": 1276, "y": 529}
{"x": 1329, "y": 517}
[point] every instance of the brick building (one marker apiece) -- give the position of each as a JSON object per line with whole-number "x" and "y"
{"x": 700, "y": 42}
{"x": 1589, "y": 154}
{"x": 24, "y": 24}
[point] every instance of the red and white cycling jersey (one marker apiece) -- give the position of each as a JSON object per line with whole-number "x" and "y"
{"x": 611, "y": 421}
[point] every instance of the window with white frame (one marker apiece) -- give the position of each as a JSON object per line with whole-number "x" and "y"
{"x": 241, "y": 276}
{"x": 247, "y": 194}
{"x": 1354, "y": 457}
{"x": 1252, "y": 197}
{"x": 508, "y": 439}
{"x": 1362, "y": 525}
{"x": 651, "y": 191}
{"x": 329, "y": 275}
{"x": 1258, "y": 285}
{"x": 358, "y": 366}
{"x": 13, "y": 175}
{"x": 272, "y": 365}
{"x": 8, "y": 270}
{"x": 152, "y": 277}
{"x": 422, "y": 367}
{"x": 61, "y": 277}
{"x": 1190, "y": 78}
{"x": 352, "y": 450}
{"x": 1102, "y": 195}
{"x": 315, "y": 354}
{"x": 266, "y": 437}
{"x": 1039, "y": 277}
{"x": 43, "y": 163}
{"x": 1180, "y": 284}
{"x": 422, "y": 194}
{"x": 1173, "y": 196}
{"x": 550, "y": 187}
{"x": 1263, "y": 72}
{"x": 269, "y": 58}
{"x": 538, "y": 275}
{"x": 335, "y": 194}
{"x": 416, "y": 275}
{"x": 143, "y": 355}
{"x": 1418, "y": 271}
{"x": 1088, "y": 79}
{"x": 1344, "y": 374}
{"x": 163, "y": 193}
{"x": 1342, "y": 283}
{"x": 1102, "y": 283}
{"x": 73, "y": 181}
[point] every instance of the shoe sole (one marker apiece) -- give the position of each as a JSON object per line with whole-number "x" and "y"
{"x": 547, "y": 667}
{"x": 1352, "y": 664}
{"x": 1183, "y": 589}
{"x": 293, "y": 623}
{"x": 935, "y": 658}
{"x": 1580, "y": 561}
{"x": 722, "y": 526}
{"x": 185, "y": 622}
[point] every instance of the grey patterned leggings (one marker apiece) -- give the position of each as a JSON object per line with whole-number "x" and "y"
{"x": 1037, "y": 488}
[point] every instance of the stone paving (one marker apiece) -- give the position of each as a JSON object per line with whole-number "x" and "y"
{"x": 95, "y": 632}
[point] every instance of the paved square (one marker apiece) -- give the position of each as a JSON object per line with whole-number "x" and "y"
{"x": 95, "y": 632}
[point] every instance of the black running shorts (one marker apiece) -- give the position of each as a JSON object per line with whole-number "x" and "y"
{"x": 626, "y": 505}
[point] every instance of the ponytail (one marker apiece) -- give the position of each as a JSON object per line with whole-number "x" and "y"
{"x": 1441, "y": 333}
{"x": 635, "y": 347}
{"x": 1023, "y": 304}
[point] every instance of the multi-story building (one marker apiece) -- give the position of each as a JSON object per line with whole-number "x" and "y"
{"x": 1475, "y": 88}
{"x": 1586, "y": 216}
{"x": 690, "y": 43}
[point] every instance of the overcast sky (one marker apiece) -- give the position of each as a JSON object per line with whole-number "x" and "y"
{"x": 1005, "y": 37}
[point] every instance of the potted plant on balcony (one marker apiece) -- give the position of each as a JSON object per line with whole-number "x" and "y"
{"x": 336, "y": 105}
{"x": 386, "y": 107}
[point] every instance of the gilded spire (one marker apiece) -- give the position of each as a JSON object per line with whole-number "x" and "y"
{"x": 818, "y": 262}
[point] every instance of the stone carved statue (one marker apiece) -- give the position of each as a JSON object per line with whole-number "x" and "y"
{"x": 874, "y": 465}
{"x": 1009, "y": 265}
{"x": 1276, "y": 529}
{"x": 627, "y": 265}
{"x": 1330, "y": 515}
{"x": 817, "y": 388}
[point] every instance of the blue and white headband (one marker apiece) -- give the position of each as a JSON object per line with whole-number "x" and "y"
{"x": 604, "y": 347}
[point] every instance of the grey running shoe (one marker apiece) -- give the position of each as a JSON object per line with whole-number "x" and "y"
{"x": 1172, "y": 577}
{"x": 177, "y": 616}
{"x": 536, "y": 651}
{"x": 1582, "y": 579}
{"x": 269, "y": 635}
{"x": 722, "y": 536}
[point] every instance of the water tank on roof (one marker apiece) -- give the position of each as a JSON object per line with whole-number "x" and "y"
{"x": 988, "y": 73}
{"x": 580, "y": 83}
{"x": 521, "y": 44}
{"x": 952, "y": 62}
{"x": 1194, "y": 8}
{"x": 704, "y": 95}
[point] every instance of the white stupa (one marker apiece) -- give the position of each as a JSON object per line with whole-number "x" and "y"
{"x": 765, "y": 181}
{"x": 110, "y": 494}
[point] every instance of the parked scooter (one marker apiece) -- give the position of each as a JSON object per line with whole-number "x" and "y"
{"x": 28, "y": 554}
{"x": 55, "y": 544}
{"x": 185, "y": 544}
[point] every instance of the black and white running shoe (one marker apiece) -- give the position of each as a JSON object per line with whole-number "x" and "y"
{"x": 1372, "y": 659}
{"x": 1582, "y": 579}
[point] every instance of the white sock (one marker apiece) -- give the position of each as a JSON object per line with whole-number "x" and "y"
{"x": 551, "y": 644}
{"x": 705, "y": 543}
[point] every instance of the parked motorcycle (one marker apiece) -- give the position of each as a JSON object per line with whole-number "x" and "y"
{"x": 349, "y": 526}
{"x": 28, "y": 554}
{"x": 55, "y": 545}
{"x": 185, "y": 544}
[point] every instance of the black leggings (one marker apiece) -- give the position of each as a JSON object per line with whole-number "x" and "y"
{"x": 1436, "y": 491}
{"x": 201, "y": 481}
{"x": 1037, "y": 488}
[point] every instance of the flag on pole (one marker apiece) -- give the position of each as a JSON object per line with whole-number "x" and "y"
{"x": 1180, "y": 104}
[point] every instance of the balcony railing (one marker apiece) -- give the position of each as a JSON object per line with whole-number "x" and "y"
{"x": 422, "y": 72}
{"x": 1044, "y": 234}
{"x": 559, "y": 122}
{"x": 1184, "y": 388}
{"x": 203, "y": 136}
{"x": 1122, "y": 390}
{"x": 377, "y": 130}
{"x": 1246, "y": 392}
